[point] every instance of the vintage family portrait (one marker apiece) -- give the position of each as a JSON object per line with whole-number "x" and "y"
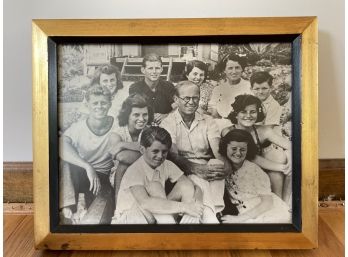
{"x": 175, "y": 133}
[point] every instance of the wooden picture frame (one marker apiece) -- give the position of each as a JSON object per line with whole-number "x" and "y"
{"x": 46, "y": 33}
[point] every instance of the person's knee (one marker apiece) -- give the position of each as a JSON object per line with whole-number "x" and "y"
{"x": 276, "y": 177}
{"x": 276, "y": 155}
{"x": 155, "y": 189}
{"x": 186, "y": 186}
{"x": 277, "y": 181}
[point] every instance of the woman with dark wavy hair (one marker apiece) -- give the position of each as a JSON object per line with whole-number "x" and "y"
{"x": 248, "y": 187}
{"x": 274, "y": 151}
{"x": 109, "y": 76}
{"x": 134, "y": 116}
{"x": 196, "y": 71}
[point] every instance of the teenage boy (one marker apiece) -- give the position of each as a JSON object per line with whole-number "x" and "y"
{"x": 86, "y": 152}
{"x": 261, "y": 86}
{"x": 159, "y": 93}
{"x": 142, "y": 198}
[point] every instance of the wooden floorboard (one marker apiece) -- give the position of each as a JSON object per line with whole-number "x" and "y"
{"x": 19, "y": 241}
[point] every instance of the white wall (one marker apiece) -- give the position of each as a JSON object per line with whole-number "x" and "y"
{"x": 17, "y": 53}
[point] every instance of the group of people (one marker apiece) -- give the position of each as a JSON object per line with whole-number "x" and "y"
{"x": 190, "y": 153}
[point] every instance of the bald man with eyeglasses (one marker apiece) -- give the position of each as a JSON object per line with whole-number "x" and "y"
{"x": 196, "y": 139}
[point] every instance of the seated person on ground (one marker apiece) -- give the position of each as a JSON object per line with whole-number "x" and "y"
{"x": 274, "y": 151}
{"x": 196, "y": 140}
{"x": 248, "y": 186}
{"x": 86, "y": 151}
{"x": 142, "y": 198}
{"x": 134, "y": 116}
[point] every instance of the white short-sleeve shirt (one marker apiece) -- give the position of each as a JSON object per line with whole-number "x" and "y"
{"x": 93, "y": 148}
{"x": 224, "y": 95}
{"x": 140, "y": 174}
{"x": 193, "y": 143}
{"x": 272, "y": 110}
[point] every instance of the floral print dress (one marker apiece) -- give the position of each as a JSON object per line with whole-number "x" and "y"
{"x": 245, "y": 187}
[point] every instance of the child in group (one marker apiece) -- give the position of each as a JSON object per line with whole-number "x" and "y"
{"x": 248, "y": 186}
{"x": 142, "y": 198}
{"x": 261, "y": 86}
{"x": 159, "y": 93}
{"x": 274, "y": 151}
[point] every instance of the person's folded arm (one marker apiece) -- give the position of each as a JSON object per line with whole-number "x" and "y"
{"x": 270, "y": 165}
{"x": 68, "y": 153}
{"x": 128, "y": 156}
{"x": 187, "y": 166}
{"x": 164, "y": 206}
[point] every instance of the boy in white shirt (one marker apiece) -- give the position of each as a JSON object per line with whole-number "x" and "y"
{"x": 142, "y": 198}
{"x": 261, "y": 86}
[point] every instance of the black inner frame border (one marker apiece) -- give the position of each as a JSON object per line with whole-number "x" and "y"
{"x": 55, "y": 227}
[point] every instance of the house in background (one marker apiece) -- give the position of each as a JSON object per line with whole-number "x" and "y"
{"x": 128, "y": 58}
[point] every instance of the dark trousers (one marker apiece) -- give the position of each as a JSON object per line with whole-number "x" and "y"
{"x": 74, "y": 180}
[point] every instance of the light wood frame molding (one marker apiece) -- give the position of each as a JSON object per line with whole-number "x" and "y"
{"x": 306, "y": 27}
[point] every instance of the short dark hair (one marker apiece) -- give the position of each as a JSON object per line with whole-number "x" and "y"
{"x": 134, "y": 100}
{"x": 242, "y": 101}
{"x": 151, "y": 58}
{"x": 183, "y": 84}
{"x": 261, "y": 77}
{"x": 98, "y": 90}
{"x": 151, "y": 134}
{"x": 238, "y": 135}
{"x": 195, "y": 63}
{"x": 221, "y": 66}
{"x": 108, "y": 69}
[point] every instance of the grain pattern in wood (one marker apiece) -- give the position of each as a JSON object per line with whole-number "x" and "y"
{"x": 11, "y": 222}
{"x": 329, "y": 245}
{"x": 21, "y": 242}
{"x": 335, "y": 220}
{"x": 309, "y": 132}
{"x": 40, "y": 133}
{"x": 175, "y": 27}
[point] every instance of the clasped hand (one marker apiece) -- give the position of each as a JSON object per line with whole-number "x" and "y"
{"x": 212, "y": 172}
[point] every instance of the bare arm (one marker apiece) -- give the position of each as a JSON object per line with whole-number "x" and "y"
{"x": 125, "y": 152}
{"x": 270, "y": 165}
{"x": 69, "y": 154}
{"x": 128, "y": 156}
{"x": 277, "y": 139}
{"x": 164, "y": 206}
{"x": 282, "y": 142}
{"x": 133, "y": 146}
{"x": 217, "y": 172}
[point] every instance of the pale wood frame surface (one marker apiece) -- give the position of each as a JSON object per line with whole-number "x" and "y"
{"x": 304, "y": 26}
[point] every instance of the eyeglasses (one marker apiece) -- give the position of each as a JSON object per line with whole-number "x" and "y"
{"x": 187, "y": 99}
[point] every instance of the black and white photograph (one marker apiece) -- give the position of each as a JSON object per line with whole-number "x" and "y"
{"x": 175, "y": 133}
